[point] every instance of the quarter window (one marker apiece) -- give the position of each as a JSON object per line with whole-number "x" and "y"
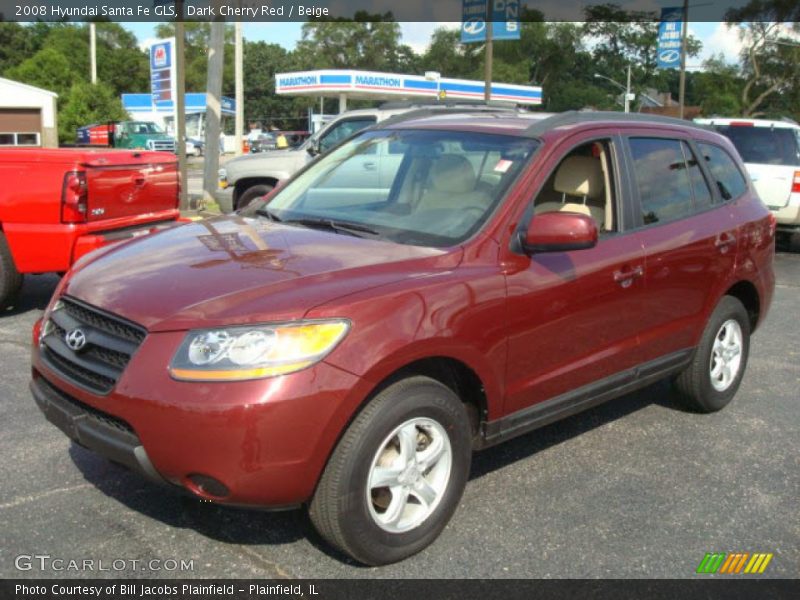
{"x": 728, "y": 178}
{"x": 661, "y": 172}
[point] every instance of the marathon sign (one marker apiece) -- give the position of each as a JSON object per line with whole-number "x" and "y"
{"x": 379, "y": 81}
{"x": 670, "y": 38}
{"x": 163, "y": 83}
{"x": 375, "y": 85}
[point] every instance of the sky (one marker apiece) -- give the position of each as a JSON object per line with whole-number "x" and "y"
{"x": 716, "y": 37}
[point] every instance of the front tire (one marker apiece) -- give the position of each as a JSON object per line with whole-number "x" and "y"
{"x": 710, "y": 382}
{"x": 251, "y": 193}
{"x": 10, "y": 278}
{"x": 397, "y": 475}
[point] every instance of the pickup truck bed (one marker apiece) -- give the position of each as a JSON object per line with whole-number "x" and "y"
{"x": 58, "y": 204}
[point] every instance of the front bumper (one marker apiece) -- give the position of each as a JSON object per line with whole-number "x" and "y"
{"x": 92, "y": 429}
{"x": 266, "y": 441}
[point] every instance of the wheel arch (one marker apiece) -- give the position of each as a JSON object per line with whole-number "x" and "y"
{"x": 747, "y": 293}
{"x": 246, "y": 182}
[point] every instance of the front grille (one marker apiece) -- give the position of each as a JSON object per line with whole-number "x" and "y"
{"x": 110, "y": 342}
{"x": 84, "y": 409}
{"x": 165, "y": 146}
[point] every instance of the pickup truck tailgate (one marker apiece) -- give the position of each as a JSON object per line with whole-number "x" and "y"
{"x": 131, "y": 183}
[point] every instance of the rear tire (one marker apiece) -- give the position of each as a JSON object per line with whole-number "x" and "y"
{"x": 711, "y": 380}
{"x": 251, "y": 194}
{"x": 10, "y": 278}
{"x": 397, "y": 475}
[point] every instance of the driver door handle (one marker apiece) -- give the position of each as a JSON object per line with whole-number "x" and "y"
{"x": 625, "y": 277}
{"x": 369, "y": 166}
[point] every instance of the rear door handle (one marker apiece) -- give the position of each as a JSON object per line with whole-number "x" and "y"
{"x": 370, "y": 166}
{"x": 626, "y": 277}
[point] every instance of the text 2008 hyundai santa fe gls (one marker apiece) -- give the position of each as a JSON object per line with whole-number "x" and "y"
{"x": 434, "y": 285}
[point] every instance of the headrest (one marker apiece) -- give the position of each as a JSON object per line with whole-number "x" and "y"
{"x": 580, "y": 176}
{"x": 453, "y": 174}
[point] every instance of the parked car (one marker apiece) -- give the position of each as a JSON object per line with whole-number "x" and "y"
{"x": 246, "y": 178}
{"x": 771, "y": 153}
{"x": 194, "y": 147}
{"x": 58, "y": 204}
{"x": 348, "y": 341}
{"x": 132, "y": 135}
{"x": 262, "y": 143}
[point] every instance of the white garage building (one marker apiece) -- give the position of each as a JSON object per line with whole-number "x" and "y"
{"x": 27, "y": 115}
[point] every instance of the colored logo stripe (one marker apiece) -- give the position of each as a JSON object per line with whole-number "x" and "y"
{"x": 733, "y": 563}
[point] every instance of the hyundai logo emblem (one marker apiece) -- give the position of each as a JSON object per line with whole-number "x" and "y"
{"x": 75, "y": 339}
{"x": 474, "y": 26}
{"x": 669, "y": 56}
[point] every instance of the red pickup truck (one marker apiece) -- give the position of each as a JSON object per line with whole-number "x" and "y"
{"x": 58, "y": 204}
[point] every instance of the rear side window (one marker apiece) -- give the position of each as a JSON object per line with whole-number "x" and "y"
{"x": 665, "y": 189}
{"x": 728, "y": 178}
{"x": 765, "y": 145}
{"x": 702, "y": 193}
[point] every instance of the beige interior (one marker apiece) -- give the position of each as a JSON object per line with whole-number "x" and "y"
{"x": 584, "y": 184}
{"x": 452, "y": 185}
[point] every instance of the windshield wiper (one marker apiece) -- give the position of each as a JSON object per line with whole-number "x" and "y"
{"x": 266, "y": 212}
{"x": 355, "y": 229}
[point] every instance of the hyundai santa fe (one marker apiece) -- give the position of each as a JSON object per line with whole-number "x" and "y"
{"x": 347, "y": 342}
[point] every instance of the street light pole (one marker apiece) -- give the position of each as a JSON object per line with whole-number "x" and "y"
{"x": 239, "y": 68}
{"x": 93, "y": 50}
{"x": 684, "y": 35}
{"x": 487, "y": 89}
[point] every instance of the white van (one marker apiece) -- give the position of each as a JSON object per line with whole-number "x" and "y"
{"x": 771, "y": 153}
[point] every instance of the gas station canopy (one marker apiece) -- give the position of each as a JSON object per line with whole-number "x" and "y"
{"x": 372, "y": 85}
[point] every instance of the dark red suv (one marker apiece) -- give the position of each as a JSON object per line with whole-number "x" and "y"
{"x": 434, "y": 285}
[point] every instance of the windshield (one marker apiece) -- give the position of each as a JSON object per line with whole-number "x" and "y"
{"x": 143, "y": 127}
{"x": 765, "y": 145}
{"x": 430, "y": 188}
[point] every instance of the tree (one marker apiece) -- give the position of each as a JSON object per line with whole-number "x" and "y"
{"x": 448, "y": 56}
{"x": 48, "y": 69}
{"x": 370, "y": 41}
{"x": 197, "y": 36}
{"x": 770, "y": 62}
{"x": 86, "y": 104}
{"x": 261, "y": 62}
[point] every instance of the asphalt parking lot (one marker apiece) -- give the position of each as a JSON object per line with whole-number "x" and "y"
{"x": 635, "y": 488}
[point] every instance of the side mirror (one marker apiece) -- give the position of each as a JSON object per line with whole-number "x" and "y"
{"x": 559, "y": 232}
{"x": 313, "y": 148}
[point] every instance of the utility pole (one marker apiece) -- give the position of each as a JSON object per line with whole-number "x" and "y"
{"x": 628, "y": 91}
{"x": 684, "y": 36}
{"x": 216, "y": 49}
{"x": 93, "y": 50}
{"x": 180, "y": 104}
{"x": 239, "y": 66}
{"x": 487, "y": 89}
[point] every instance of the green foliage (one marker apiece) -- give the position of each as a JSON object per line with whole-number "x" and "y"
{"x": 86, "y": 104}
{"x": 197, "y": 35}
{"x": 48, "y": 69}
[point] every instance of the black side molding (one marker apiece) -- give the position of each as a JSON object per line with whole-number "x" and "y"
{"x": 588, "y": 396}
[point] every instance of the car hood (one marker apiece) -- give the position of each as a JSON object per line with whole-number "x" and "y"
{"x": 284, "y": 162}
{"x": 236, "y": 270}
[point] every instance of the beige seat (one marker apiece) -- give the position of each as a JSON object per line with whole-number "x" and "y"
{"x": 452, "y": 186}
{"x": 580, "y": 176}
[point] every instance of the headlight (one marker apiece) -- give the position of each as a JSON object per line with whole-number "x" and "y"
{"x": 255, "y": 352}
{"x": 223, "y": 178}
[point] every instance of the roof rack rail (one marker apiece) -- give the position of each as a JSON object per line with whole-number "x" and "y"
{"x": 427, "y": 102}
{"x": 574, "y": 117}
{"x": 443, "y": 110}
